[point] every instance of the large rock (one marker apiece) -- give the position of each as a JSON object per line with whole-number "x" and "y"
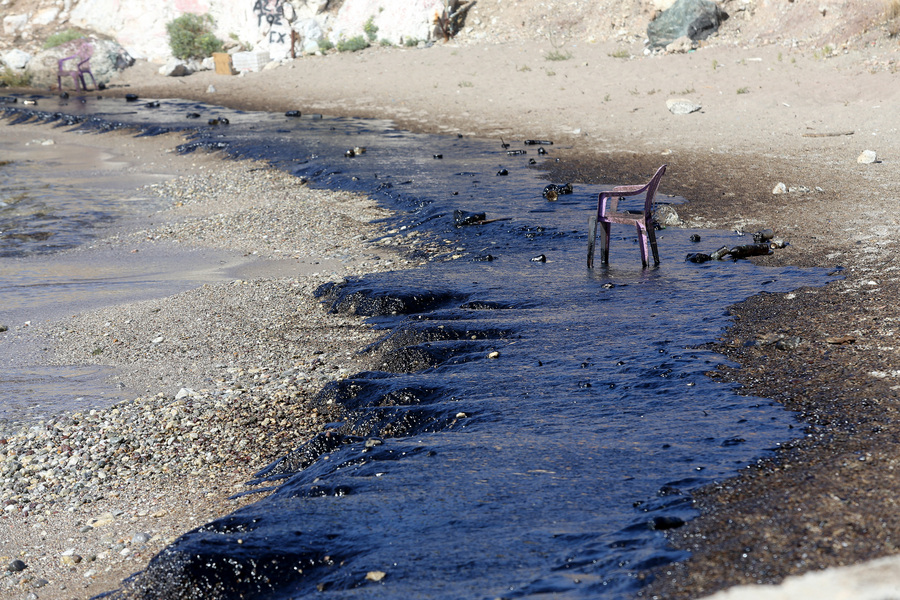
{"x": 15, "y": 59}
{"x": 13, "y": 23}
{"x": 395, "y": 21}
{"x": 696, "y": 19}
{"x": 108, "y": 58}
{"x": 280, "y": 27}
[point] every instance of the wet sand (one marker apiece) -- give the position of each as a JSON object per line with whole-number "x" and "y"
{"x": 770, "y": 114}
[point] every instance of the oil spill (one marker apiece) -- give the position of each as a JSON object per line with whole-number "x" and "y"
{"x": 526, "y": 428}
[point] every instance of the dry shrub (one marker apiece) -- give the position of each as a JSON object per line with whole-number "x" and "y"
{"x": 892, "y": 15}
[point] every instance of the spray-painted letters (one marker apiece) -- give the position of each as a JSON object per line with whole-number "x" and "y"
{"x": 270, "y": 10}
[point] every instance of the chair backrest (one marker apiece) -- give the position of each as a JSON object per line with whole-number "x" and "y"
{"x": 85, "y": 51}
{"x": 651, "y": 190}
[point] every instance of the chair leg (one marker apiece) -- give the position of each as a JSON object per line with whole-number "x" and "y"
{"x": 642, "y": 241}
{"x": 604, "y": 242}
{"x": 592, "y": 240}
{"x": 651, "y": 233}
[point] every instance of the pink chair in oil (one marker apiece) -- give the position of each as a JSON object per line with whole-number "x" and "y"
{"x": 78, "y": 68}
{"x": 608, "y": 212}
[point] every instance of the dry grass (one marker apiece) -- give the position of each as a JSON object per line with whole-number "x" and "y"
{"x": 892, "y": 16}
{"x": 14, "y": 79}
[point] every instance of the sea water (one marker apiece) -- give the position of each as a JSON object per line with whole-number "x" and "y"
{"x": 529, "y": 427}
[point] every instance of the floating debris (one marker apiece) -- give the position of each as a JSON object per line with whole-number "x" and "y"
{"x": 698, "y": 257}
{"x": 750, "y": 250}
{"x": 538, "y": 143}
{"x": 131, "y": 97}
{"x": 502, "y": 173}
{"x": 695, "y": 237}
{"x": 552, "y": 191}
{"x": 763, "y": 235}
{"x": 541, "y": 151}
{"x": 293, "y": 113}
{"x": 462, "y": 218}
{"x": 438, "y": 156}
{"x": 516, "y": 152}
{"x": 540, "y": 258}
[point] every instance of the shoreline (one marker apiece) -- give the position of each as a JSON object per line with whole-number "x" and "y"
{"x": 726, "y": 159}
{"x": 90, "y": 496}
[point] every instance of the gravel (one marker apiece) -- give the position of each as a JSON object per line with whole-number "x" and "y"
{"x": 223, "y": 377}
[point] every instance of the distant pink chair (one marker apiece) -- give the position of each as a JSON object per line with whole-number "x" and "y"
{"x": 81, "y": 61}
{"x": 608, "y": 213}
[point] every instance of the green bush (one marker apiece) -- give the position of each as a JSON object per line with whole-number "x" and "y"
{"x": 190, "y": 36}
{"x": 371, "y": 29}
{"x": 353, "y": 44}
{"x": 62, "y": 37}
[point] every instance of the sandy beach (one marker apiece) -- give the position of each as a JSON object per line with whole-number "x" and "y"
{"x": 773, "y": 112}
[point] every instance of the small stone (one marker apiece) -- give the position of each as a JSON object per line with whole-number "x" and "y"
{"x": 16, "y": 566}
{"x": 174, "y": 68}
{"x": 493, "y": 354}
{"x": 682, "y": 106}
{"x": 666, "y": 216}
{"x": 140, "y": 538}
{"x": 461, "y": 415}
{"x": 3, "y": 328}
{"x": 840, "y": 340}
{"x": 375, "y": 575}
{"x": 211, "y": 89}
{"x": 681, "y": 45}
{"x": 788, "y": 343}
{"x": 70, "y": 560}
{"x": 867, "y": 157}
{"x": 102, "y": 520}
{"x": 780, "y": 188}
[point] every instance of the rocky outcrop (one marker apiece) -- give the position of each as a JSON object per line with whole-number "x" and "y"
{"x": 283, "y": 28}
{"x": 108, "y": 58}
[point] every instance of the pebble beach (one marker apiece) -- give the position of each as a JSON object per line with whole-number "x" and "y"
{"x": 223, "y": 374}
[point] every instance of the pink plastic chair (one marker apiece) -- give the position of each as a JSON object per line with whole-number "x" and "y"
{"x": 608, "y": 213}
{"x": 82, "y": 58}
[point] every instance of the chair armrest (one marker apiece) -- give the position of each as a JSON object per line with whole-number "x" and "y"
{"x": 62, "y": 60}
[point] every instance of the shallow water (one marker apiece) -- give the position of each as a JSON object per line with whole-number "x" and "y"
{"x": 548, "y": 471}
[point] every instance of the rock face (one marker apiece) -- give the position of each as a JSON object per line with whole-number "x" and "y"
{"x": 108, "y": 58}
{"x": 396, "y": 21}
{"x": 696, "y": 19}
{"x": 281, "y": 27}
